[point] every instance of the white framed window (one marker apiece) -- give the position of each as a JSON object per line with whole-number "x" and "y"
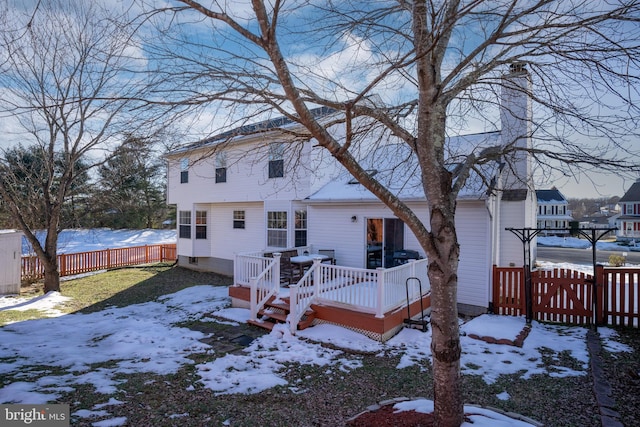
{"x": 184, "y": 224}
{"x": 221, "y": 168}
{"x": 276, "y": 160}
{"x": 300, "y": 228}
{"x": 238, "y": 219}
{"x": 201, "y": 224}
{"x": 277, "y": 229}
{"x": 184, "y": 170}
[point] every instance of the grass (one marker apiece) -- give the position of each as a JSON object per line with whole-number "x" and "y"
{"x": 315, "y": 395}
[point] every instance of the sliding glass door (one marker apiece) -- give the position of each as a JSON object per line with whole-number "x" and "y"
{"x": 384, "y": 237}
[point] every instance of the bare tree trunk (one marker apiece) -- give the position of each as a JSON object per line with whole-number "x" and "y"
{"x": 445, "y": 338}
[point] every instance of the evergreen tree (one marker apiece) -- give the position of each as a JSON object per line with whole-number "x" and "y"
{"x": 130, "y": 190}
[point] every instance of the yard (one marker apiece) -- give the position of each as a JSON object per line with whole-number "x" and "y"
{"x": 159, "y": 346}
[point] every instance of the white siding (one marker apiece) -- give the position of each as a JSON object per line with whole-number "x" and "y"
{"x": 226, "y": 241}
{"x": 512, "y": 215}
{"x": 330, "y": 227}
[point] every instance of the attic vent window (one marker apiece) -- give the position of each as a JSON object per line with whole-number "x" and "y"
{"x": 370, "y": 172}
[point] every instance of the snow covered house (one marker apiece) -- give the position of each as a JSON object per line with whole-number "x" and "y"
{"x": 244, "y": 196}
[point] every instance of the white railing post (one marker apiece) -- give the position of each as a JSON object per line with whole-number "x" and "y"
{"x": 316, "y": 277}
{"x": 380, "y": 292}
{"x": 292, "y": 319}
{"x": 254, "y": 298}
{"x": 276, "y": 271}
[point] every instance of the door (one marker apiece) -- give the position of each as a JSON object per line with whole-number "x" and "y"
{"x": 384, "y": 237}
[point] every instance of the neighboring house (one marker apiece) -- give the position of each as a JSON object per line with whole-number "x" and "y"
{"x": 628, "y": 222}
{"x": 553, "y": 212}
{"x": 243, "y": 191}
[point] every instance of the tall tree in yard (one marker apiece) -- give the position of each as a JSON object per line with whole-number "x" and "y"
{"x": 130, "y": 187}
{"x": 66, "y": 77}
{"x": 421, "y": 70}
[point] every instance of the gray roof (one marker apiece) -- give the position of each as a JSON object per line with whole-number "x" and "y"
{"x": 632, "y": 194}
{"x": 252, "y": 129}
{"x": 553, "y": 195}
{"x": 395, "y": 166}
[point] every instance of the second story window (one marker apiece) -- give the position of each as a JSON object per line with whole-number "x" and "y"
{"x": 184, "y": 224}
{"x": 221, "y": 168}
{"x": 276, "y": 160}
{"x": 184, "y": 171}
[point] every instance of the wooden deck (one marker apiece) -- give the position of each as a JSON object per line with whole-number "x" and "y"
{"x": 377, "y": 328}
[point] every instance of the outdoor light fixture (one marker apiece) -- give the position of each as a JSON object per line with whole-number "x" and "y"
{"x": 354, "y": 219}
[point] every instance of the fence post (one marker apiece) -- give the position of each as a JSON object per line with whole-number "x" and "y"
{"x": 601, "y": 286}
{"x": 62, "y": 261}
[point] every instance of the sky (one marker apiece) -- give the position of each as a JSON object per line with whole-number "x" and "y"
{"x": 348, "y": 51}
{"x": 125, "y": 334}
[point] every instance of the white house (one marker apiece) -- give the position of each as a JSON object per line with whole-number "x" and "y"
{"x": 248, "y": 191}
{"x": 628, "y": 222}
{"x": 553, "y": 211}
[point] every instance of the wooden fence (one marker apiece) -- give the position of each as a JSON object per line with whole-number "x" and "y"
{"x": 85, "y": 262}
{"x": 568, "y": 296}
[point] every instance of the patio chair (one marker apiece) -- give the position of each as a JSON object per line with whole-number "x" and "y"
{"x": 331, "y": 253}
{"x": 289, "y": 272}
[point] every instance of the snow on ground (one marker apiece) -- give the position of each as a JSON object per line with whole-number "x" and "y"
{"x": 145, "y": 338}
{"x": 574, "y": 242}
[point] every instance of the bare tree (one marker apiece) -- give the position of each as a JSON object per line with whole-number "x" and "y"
{"x": 422, "y": 70}
{"x": 65, "y": 69}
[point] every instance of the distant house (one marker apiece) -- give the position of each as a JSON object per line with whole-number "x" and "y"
{"x": 553, "y": 211}
{"x": 628, "y": 222}
{"x": 267, "y": 187}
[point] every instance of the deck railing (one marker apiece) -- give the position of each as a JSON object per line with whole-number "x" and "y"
{"x": 85, "y": 262}
{"x": 265, "y": 285}
{"x": 369, "y": 291}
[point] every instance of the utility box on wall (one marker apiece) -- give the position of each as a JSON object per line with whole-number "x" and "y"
{"x": 10, "y": 261}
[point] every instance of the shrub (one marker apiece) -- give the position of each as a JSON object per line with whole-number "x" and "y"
{"x": 616, "y": 260}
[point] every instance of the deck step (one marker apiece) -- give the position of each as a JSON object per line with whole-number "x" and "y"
{"x": 277, "y": 312}
{"x": 264, "y": 324}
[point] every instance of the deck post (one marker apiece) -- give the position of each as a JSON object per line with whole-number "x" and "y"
{"x": 253, "y": 281}
{"x": 292, "y": 319}
{"x": 275, "y": 276}
{"x": 380, "y": 292}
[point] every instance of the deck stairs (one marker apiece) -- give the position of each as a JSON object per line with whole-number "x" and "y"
{"x": 276, "y": 311}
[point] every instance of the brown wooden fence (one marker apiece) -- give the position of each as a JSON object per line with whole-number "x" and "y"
{"x": 85, "y": 262}
{"x": 567, "y": 296}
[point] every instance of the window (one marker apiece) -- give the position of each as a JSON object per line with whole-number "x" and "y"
{"x": 276, "y": 160}
{"x": 238, "y": 219}
{"x": 277, "y": 229}
{"x": 184, "y": 224}
{"x": 221, "y": 168}
{"x": 184, "y": 171}
{"x": 201, "y": 224}
{"x": 301, "y": 228}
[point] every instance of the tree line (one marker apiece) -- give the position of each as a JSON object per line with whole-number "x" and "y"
{"x": 126, "y": 191}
